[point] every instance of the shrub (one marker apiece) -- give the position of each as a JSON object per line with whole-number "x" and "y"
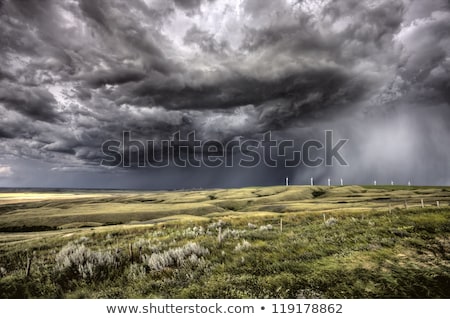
{"x": 266, "y": 227}
{"x": 330, "y": 221}
{"x": 2, "y": 272}
{"x": 232, "y": 233}
{"x": 76, "y": 260}
{"x": 175, "y": 257}
{"x": 244, "y": 246}
{"x": 193, "y": 232}
{"x": 217, "y": 224}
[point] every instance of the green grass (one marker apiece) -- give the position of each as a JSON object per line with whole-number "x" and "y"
{"x": 339, "y": 242}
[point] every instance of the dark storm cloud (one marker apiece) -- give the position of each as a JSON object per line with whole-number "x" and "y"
{"x": 425, "y": 57}
{"x": 188, "y": 4}
{"x": 5, "y": 134}
{"x": 74, "y": 74}
{"x": 118, "y": 76}
{"x": 36, "y": 103}
{"x": 94, "y": 10}
{"x": 308, "y": 94}
{"x": 5, "y": 75}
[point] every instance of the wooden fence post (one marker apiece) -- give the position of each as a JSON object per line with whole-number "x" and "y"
{"x": 219, "y": 236}
{"x": 131, "y": 252}
{"x": 28, "y": 267}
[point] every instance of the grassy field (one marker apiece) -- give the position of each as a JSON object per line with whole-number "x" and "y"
{"x": 256, "y": 242}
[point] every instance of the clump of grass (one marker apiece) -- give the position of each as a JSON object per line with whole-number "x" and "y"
{"x": 81, "y": 240}
{"x": 136, "y": 272}
{"x": 309, "y": 293}
{"x": 318, "y": 193}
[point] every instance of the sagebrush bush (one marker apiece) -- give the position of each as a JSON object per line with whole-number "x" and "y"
{"x": 266, "y": 227}
{"x": 215, "y": 225}
{"x": 244, "y": 246}
{"x": 330, "y": 221}
{"x": 175, "y": 257}
{"x": 2, "y": 272}
{"x": 193, "y": 232}
{"x": 251, "y": 226}
{"x": 148, "y": 245}
{"x": 76, "y": 260}
{"x": 232, "y": 233}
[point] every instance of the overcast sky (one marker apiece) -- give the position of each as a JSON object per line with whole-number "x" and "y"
{"x": 76, "y": 73}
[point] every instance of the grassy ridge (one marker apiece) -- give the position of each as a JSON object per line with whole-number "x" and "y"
{"x": 341, "y": 242}
{"x": 30, "y": 210}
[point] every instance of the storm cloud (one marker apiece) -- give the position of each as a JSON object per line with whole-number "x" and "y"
{"x": 74, "y": 74}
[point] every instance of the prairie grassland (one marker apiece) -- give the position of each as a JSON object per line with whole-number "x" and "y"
{"x": 255, "y": 242}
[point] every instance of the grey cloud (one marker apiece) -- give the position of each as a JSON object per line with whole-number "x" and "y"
{"x": 205, "y": 41}
{"x": 60, "y": 147}
{"x": 188, "y": 4}
{"x": 94, "y": 10}
{"x": 425, "y": 51}
{"x": 113, "y": 77}
{"x": 36, "y": 103}
{"x": 5, "y": 134}
{"x": 256, "y": 8}
{"x": 5, "y": 75}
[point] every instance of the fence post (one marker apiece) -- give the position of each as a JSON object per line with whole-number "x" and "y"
{"x": 29, "y": 260}
{"x": 219, "y": 236}
{"x": 437, "y": 204}
{"x": 281, "y": 225}
{"x": 406, "y": 204}
{"x": 390, "y": 208}
{"x": 130, "y": 247}
{"x": 421, "y": 202}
